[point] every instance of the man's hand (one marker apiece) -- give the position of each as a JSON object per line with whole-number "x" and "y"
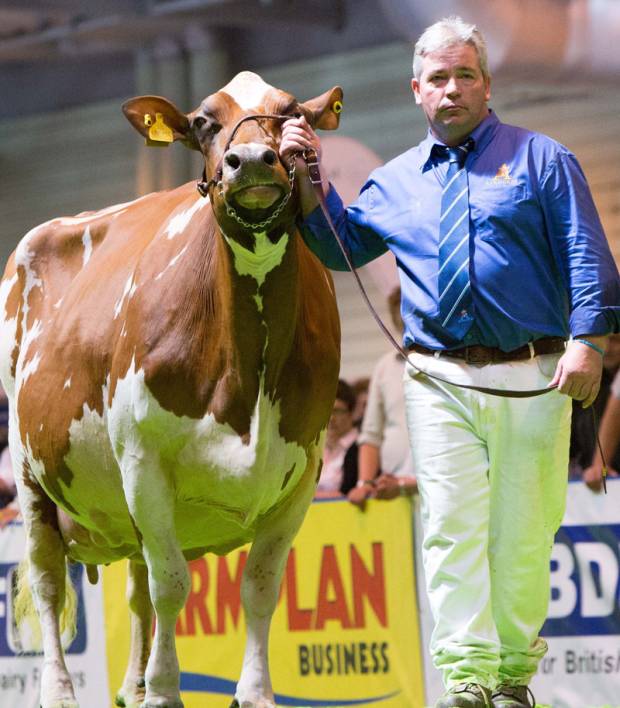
{"x": 297, "y": 136}
{"x": 578, "y": 373}
{"x": 593, "y": 477}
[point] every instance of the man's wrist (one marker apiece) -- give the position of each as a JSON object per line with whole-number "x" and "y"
{"x": 587, "y": 341}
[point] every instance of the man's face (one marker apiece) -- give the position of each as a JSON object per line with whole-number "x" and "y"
{"x": 453, "y": 92}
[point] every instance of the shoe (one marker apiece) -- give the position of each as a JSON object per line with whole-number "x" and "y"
{"x": 466, "y": 695}
{"x": 513, "y": 697}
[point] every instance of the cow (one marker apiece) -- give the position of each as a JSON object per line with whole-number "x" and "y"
{"x": 171, "y": 365}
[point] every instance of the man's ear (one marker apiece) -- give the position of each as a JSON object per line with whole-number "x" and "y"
{"x": 325, "y": 109}
{"x": 159, "y": 121}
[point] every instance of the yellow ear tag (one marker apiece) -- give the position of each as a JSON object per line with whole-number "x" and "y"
{"x": 337, "y": 106}
{"x": 159, "y": 132}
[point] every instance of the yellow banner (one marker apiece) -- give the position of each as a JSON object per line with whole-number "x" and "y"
{"x": 344, "y": 633}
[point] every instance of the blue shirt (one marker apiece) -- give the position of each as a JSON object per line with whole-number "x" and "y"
{"x": 539, "y": 261}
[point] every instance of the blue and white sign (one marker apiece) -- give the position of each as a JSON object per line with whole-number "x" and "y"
{"x": 582, "y": 666}
{"x": 20, "y": 673}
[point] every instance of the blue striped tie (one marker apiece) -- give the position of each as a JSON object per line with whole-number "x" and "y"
{"x": 455, "y": 302}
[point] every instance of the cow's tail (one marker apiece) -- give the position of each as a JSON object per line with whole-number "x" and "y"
{"x": 26, "y": 623}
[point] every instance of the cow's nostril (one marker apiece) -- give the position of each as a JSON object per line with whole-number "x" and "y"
{"x": 232, "y": 160}
{"x": 270, "y": 157}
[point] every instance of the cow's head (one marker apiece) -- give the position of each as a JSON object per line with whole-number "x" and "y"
{"x": 247, "y": 179}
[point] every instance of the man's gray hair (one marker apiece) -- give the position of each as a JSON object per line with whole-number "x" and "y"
{"x": 446, "y": 33}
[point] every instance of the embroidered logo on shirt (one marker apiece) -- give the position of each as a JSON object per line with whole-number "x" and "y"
{"x": 503, "y": 175}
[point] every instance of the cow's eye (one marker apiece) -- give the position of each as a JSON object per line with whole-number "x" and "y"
{"x": 206, "y": 127}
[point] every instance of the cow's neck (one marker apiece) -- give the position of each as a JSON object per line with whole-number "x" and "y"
{"x": 264, "y": 295}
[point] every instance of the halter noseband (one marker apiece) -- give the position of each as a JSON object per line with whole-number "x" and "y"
{"x": 205, "y": 185}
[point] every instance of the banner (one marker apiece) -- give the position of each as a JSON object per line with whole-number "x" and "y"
{"x": 345, "y": 631}
{"x": 20, "y": 674}
{"x": 582, "y": 666}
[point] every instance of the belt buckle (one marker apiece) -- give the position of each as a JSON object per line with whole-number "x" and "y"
{"x": 478, "y": 356}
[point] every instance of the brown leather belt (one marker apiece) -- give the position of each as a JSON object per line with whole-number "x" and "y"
{"x": 477, "y": 355}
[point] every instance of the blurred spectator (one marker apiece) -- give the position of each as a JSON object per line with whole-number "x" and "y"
{"x": 7, "y": 482}
{"x": 385, "y": 466}
{"x": 4, "y": 419}
{"x": 583, "y": 450}
{"x": 339, "y": 472}
{"x": 609, "y": 435}
{"x": 360, "y": 389}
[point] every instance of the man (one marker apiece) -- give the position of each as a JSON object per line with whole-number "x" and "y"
{"x": 501, "y": 258}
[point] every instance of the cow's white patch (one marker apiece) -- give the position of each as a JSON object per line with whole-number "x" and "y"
{"x": 87, "y": 240}
{"x": 24, "y": 368}
{"x": 57, "y": 304}
{"x": 129, "y": 289}
{"x": 247, "y": 89}
{"x": 86, "y": 216}
{"x": 179, "y": 221}
{"x": 29, "y": 368}
{"x": 213, "y": 470}
{"x": 8, "y": 334}
{"x": 23, "y": 258}
{"x": 260, "y": 262}
{"x": 67, "y": 383}
{"x": 173, "y": 262}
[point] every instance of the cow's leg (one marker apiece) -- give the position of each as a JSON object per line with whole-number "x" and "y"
{"x": 132, "y": 691}
{"x": 150, "y": 498}
{"x": 47, "y": 576}
{"x": 260, "y": 587}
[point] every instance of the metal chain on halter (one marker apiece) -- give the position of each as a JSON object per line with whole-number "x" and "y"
{"x": 262, "y": 224}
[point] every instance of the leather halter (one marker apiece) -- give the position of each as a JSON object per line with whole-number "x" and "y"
{"x": 205, "y": 185}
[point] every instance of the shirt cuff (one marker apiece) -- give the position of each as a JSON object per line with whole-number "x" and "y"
{"x": 334, "y": 206}
{"x": 585, "y": 321}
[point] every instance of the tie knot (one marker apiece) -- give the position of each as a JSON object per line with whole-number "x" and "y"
{"x": 456, "y": 154}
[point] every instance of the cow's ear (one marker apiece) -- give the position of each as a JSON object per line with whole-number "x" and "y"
{"x": 158, "y": 120}
{"x": 325, "y": 109}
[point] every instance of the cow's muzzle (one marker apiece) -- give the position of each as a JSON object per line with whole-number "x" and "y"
{"x": 252, "y": 177}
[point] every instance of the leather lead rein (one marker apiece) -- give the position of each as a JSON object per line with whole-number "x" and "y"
{"x": 314, "y": 174}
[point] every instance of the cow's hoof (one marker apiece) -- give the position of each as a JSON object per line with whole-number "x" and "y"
{"x": 62, "y": 704}
{"x": 162, "y": 703}
{"x": 235, "y": 703}
{"x": 131, "y": 697}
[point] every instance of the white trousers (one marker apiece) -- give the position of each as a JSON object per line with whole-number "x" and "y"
{"x": 492, "y": 474}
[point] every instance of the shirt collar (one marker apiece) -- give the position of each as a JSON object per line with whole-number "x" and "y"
{"x": 481, "y": 134}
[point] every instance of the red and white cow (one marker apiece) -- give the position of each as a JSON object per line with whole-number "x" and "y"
{"x": 171, "y": 372}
